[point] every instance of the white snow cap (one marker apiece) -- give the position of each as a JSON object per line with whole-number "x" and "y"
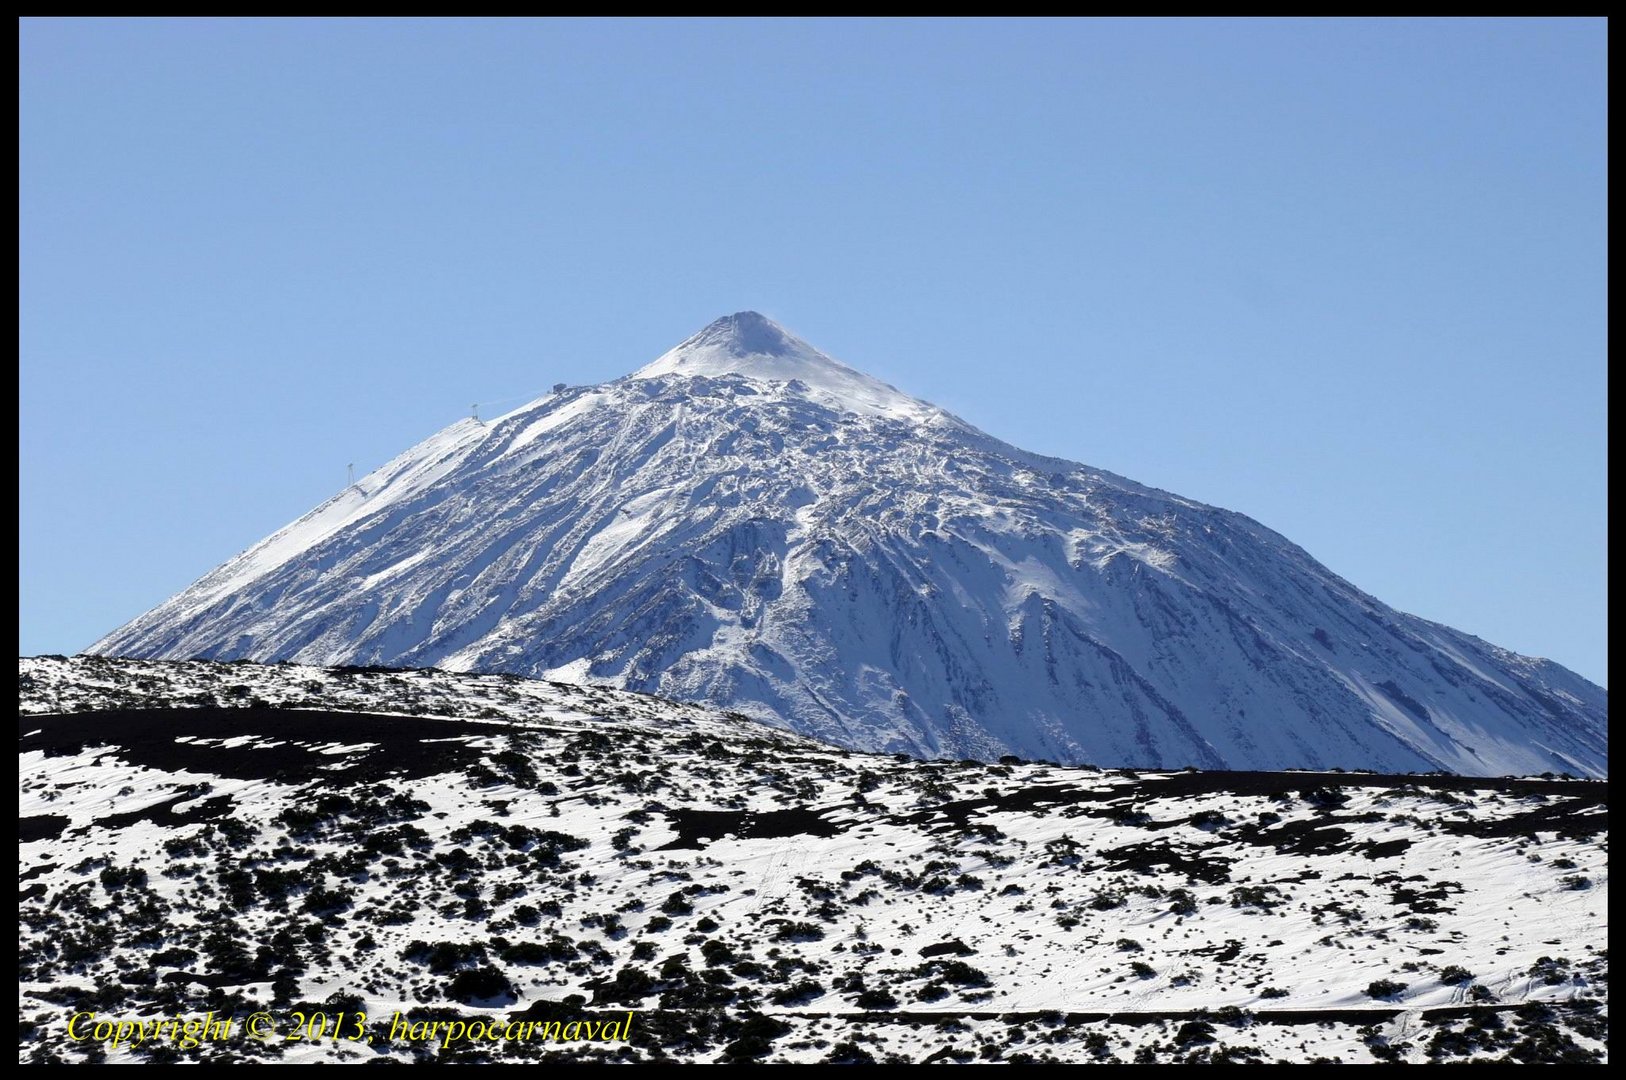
{"x": 753, "y": 346}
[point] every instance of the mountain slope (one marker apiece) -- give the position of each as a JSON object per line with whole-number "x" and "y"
{"x": 748, "y": 522}
{"x": 475, "y": 849}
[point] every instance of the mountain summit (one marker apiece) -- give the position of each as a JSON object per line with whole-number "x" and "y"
{"x": 749, "y": 522}
{"x": 753, "y": 346}
{"x": 742, "y": 336}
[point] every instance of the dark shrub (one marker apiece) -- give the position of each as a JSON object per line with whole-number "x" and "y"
{"x": 1384, "y": 988}
{"x": 481, "y": 984}
{"x": 876, "y": 999}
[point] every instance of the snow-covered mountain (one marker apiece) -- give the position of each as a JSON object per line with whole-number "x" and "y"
{"x": 748, "y": 522}
{"x": 270, "y": 843}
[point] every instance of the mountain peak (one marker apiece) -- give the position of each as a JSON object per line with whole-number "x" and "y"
{"x": 744, "y": 343}
{"x": 749, "y": 522}
{"x": 751, "y": 345}
{"x": 750, "y": 333}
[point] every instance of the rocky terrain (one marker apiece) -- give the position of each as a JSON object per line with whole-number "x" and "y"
{"x": 291, "y": 839}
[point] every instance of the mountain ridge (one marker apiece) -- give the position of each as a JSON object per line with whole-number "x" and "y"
{"x": 748, "y": 522}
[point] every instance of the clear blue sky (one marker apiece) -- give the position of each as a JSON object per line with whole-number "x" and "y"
{"x": 1348, "y": 278}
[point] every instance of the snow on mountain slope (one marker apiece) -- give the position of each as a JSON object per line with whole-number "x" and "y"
{"x": 287, "y": 839}
{"x": 748, "y": 344}
{"x": 747, "y": 522}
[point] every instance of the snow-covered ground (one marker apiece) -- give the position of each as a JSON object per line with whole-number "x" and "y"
{"x": 750, "y": 523}
{"x": 243, "y": 837}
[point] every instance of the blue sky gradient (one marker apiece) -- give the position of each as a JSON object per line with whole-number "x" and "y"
{"x": 1348, "y": 278}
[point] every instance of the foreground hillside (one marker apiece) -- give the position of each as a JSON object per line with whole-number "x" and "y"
{"x": 200, "y": 836}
